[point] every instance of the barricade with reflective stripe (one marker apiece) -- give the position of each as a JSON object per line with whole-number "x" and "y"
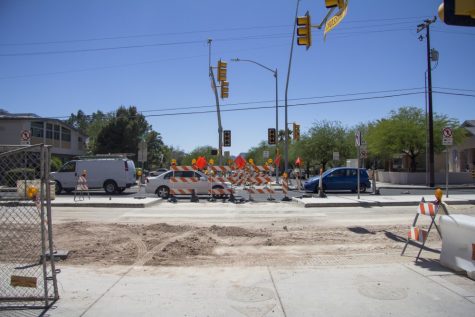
{"x": 181, "y": 168}
{"x": 259, "y": 180}
{"x": 220, "y": 168}
{"x": 428, "y": 209}
{"x": 260, "y": 190}
{"x": 184, "y": 179}
{"x": 285, "y": 186}
{"x": 221, "y": 191}
{"x": 82, "y": 183}
{"x": 417, "y": 234}
{"x": 181, "y": 191}
{"x": 263, "y": 168}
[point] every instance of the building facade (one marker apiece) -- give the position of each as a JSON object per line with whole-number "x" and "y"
{"x": 66, "y": 141}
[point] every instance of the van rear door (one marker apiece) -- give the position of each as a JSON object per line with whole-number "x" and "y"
{"x": 130, "y": 172}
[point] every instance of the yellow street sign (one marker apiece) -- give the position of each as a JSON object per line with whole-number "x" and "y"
{"x": 336, "y": 19}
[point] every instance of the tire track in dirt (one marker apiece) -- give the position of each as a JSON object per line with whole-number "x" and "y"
{"x": 148, "y": 255}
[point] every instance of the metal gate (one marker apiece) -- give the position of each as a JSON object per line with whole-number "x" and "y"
{"x": 27, "y": 271}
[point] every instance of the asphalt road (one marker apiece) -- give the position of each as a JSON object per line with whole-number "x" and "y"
{"x": 278, "y": 196}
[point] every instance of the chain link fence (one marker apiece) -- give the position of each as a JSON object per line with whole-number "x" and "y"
{"x": 27, "y": 271}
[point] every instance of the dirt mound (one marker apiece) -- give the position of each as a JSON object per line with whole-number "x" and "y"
{"x": 232, "y": 231}
{"x": 166, "y": 228}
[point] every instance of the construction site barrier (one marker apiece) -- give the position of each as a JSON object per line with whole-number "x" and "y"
{"x": 419, "y": 235}
{"x": 458, "y": 243}
{"x": 81, "y": 188}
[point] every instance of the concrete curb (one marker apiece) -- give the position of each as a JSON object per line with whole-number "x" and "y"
{"x": 106, "y": 204}
{"x": 371, "y": 203}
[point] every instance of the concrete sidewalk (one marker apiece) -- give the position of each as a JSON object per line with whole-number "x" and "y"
{"x": 425, "y": 289}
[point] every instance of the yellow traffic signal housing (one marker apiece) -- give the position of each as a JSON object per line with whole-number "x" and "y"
{"x": 224, "y": 89}
{"x": 271, "y": 136}
{"x": 458, "y": 12}
{"x": 304, "y": 31}
{"x": 222, "y": 70}
{"x": 227, "y": 137}
{"x": 296, "y": 132}
{"x": 334, "y": 3}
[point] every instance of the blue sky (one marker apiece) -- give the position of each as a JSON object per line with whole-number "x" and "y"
{"x": 58, "y": 57}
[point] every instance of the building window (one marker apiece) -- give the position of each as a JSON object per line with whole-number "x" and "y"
{"x": 56, "y": 132}
{"x": 65, "y": 134}
{"x": 37, "y": 129}
{"x": 49, "y": 131}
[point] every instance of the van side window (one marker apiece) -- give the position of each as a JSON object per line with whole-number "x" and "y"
{"x": 68, "y": 167}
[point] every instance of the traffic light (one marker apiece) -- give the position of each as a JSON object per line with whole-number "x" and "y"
{"x": 304, "y": 31}
{"x": 296, "y": 132}
{"x": 271, "y": 136}
{"x": 334, "y": 3}
{"x": 457, "y": 12}
{"x": 227, "y": 137}
{"x": 222, "y": 70}
{"x": 224, "y": 89}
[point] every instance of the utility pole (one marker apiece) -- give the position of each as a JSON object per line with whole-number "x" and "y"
{"x": 215, "y": 89}
{"x": 420, "y": 27}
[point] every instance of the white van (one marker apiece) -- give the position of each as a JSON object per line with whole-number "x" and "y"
{"x": 112, "y": 174}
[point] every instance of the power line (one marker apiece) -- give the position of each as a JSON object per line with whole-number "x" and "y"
{"x": 296, "y": 104}
{"x": 120, "y": 37}
{"x": 292, "y": 99}
{"x": 291, "y": 105}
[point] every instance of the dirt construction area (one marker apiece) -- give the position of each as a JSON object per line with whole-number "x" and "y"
{"x": 301, "y": 240}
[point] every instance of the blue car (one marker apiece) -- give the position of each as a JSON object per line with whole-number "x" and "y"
{"x": 339, "y": 178}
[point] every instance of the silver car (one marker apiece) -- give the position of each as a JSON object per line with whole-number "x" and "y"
{"x": 161, "y": 184}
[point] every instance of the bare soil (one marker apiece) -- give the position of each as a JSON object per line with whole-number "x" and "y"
{"x": 164, "y": 244}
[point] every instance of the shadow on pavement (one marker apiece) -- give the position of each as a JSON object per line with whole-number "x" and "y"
{"x": 398, "y": 238}
{"x": 360, "y": 230}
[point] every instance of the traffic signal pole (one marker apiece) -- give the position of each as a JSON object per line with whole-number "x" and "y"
{"x": 215, "y": 89}
{"x": 286, "y": 144}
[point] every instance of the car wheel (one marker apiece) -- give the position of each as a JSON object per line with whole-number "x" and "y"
{"x": 218, "y": 196}
{"x": 110, "y": 187}
{"x": 362, "y": 188}
{"x": 58, "y": 188}
{"x": 163, "y": 192}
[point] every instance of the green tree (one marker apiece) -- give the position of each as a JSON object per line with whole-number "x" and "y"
{"x": 204, "y": 151}
{"x": 257, "y": 153}
{"x": 123, "y": 132}
{"x": 322, "y": 139}
{"x": 156, "y": 150}
{"x": 404, "y": 131}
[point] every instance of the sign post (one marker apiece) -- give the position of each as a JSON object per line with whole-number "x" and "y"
{"x": 358, "y": 145}
{"x": 447, "y": 140}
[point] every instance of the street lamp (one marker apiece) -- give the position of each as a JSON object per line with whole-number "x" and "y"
{"x": 276, "y": 102}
